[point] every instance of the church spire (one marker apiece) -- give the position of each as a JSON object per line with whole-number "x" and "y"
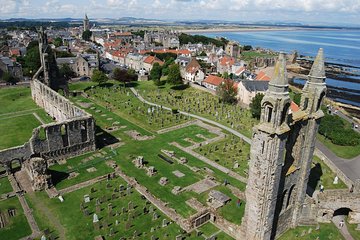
{"x": 279, "y": 81}
{"x": 317, "y": 72}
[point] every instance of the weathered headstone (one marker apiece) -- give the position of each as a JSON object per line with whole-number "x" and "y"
{"x": 86, "y": 198}
{"x": 164, "y": 223}
{"x": 95, "y": 218}
{"x": 130, "y": 206}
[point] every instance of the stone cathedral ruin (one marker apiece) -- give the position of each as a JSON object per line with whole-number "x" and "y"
{"x": 283, "y": 143}
{"x": 72, "y": 133}
{"x": 282, "y": 150}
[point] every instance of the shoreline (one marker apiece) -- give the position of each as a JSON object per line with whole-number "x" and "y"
{"x": 255, "y": 29}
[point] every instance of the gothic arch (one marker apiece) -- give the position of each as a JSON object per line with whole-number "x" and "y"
{"x": 268, "y": 109}
{"x": 322, "y": 95}
{"x": 284, "y": 113}
{"x": 283, "y": 197}
{"x": 290, "y": 196}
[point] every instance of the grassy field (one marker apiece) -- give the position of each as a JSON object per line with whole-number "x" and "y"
{"x": 250, "y": 55}
{"x": 16, "y": 116}
{"x": 18, "y": 227}
{"x": 79, "y": 165}
{"x": 326, "y": 232}
{"x": 347, "y": 152}
{"x": 228, "y": 151}
{"x": 352, "y": 229}
{"x": 322, "y": 174}
{"x": 5, "y": 186}
{"x": 201, "y": 103}
{"x": 79, "y": 226}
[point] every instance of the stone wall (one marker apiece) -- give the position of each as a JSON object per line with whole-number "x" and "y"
{"x": 72, "y": 134}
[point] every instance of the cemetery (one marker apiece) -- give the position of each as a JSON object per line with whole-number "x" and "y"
{"x": 155, "y": 175}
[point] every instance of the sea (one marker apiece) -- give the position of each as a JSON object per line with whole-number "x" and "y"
{"x": 341, "y": 48}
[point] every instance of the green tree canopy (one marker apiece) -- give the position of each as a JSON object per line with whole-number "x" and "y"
{"x": 58, "y": 42}
{"x": 174, "y": 76}
{"x": 66, "y": 71}
{"x": 255, "y": 105}
{"x": 155, "y": 72}
{"x": 86, "y": 35}
{"x": 7, "y": 77}
{"x": 227, "y": 92}
{"x": 99, "y": 77}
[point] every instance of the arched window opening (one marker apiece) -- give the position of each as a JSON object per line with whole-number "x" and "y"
{"x": 306, "y": 103}
{"x": 320, "y": 101}
{"x": 289, "y": 199}
{"x": 284, "y": 113}
{"x": 269, "y": 113}
{"x": 282, "y": 200}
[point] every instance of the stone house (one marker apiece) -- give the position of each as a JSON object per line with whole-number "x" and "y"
{"x": 149, "y": 61}
{"x": 232, "y": 49}
{"x": 134, "y": 61}
{"x": 193, "y": 72}
{"x": 225, "y": 64}
{"x": 82, "y": 65}
{"x": 212, "y": 82}
{"x": 248, "y": 89}
{"x": 9, "y": 66}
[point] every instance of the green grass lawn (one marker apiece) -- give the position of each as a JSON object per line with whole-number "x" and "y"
{"x": 16, "y": 116}
{"x": 322, "y": 174}
{"x": 228, "y": 151}
{"x": 15, "y": 100}
{"x": 16, "y": 131}
{"x": 250, "y": 55}
{"x": 78, "y": 226}
{"x": 327, "y": 231}
{"x": 18, "y": 227}
{"x": 80, "y": 165}
{"x": 5, "y": 186}
{"x": 354, "y": 233}
{"x": 347, "y": 152}
{"x": 201, "y": 103}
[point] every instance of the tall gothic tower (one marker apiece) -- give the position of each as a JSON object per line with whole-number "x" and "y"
{"x": 281, "y": 154}
{"x": 267, "y": 154}
{"x": 43, "y": 45}
{"x": 86, "y": 23}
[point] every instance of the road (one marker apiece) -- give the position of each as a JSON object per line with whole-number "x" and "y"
{"x": 350, "y": 167}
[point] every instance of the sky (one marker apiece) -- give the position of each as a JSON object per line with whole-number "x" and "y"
{"x": 304, "y": 11}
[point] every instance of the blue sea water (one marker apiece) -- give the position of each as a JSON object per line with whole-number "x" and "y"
{"x": 340, "y": 47}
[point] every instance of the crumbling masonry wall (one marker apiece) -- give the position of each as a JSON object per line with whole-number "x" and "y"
{"x": 72, "y": 134}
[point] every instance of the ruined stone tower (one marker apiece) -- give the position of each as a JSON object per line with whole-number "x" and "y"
{"x": 86, "y": 23}
{"x": 43, "y": 45}
{"x": 281, "y": 153}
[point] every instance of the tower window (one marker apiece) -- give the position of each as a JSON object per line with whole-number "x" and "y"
{"x": 306, "y": 103}
{"x": 269, "y": 114}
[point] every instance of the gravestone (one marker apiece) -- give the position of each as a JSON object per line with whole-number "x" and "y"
{"x": 123, "y": 210}
{"x": 151, "y": 209}
{"x": 86, "y": 198}
{"x": 95, "y": 218}
{"x": 178, "y": 237}
{"x": 130, "y": 206}
{"x": 111, "y": 232}
{"x": 164, "y": 223}
{"x": 113, "y": 196}
{"x": 117, "y": 222}
{"x": 155, "y": 216}
{"x": 128, "y": 225}
{"x": 86, "y": 212}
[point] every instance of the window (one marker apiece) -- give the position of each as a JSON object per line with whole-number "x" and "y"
{"x": 284, "y": 113}
{"x": 306, "y": 103}
{"x": 269, "y": 113}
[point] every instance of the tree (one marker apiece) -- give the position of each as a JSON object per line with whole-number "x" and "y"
{"x": 66, "y": 71}
{"x": 227, "y": 92}
{"x": 7, "y": 77}
{"x": 174, "y": 76}
{"x": 165, "y": 68}
{"x": 86, "y": 35}
{"x": 155, "y": 72}
{"x": 99, "y": 77}
{"x": 58, "y": 42}
{"x": 120, "y": 75}
{"x": 255, "y": 105}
